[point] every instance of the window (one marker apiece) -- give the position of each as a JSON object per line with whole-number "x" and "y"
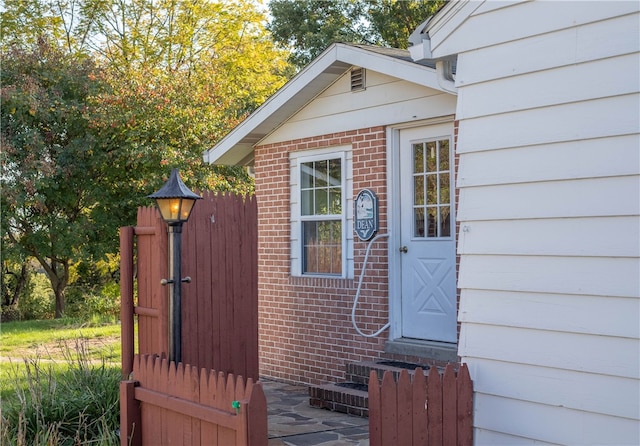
{"x": 319, "y": 224}
{"x": 432, "y": 189}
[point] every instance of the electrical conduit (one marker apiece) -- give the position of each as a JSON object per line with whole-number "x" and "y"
{"x": 355, "y": 301}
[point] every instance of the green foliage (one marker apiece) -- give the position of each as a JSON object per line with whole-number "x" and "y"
{"x": 101, "y": 99}
{"x": 308, "y": 27}
{"x": 85, "y": 304}
{"x": 395, "y": 20}
{"x": 74, "y": 404}
{"x": 39, "y": 303}
{"x": 51, "y": 172}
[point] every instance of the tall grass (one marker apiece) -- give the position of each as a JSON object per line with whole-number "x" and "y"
{"x": 70, "y": 402}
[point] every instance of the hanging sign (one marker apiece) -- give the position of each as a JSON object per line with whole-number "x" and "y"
{"x": 366, "y": 214}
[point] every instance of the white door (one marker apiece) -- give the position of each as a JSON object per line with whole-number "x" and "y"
{"x": 427, "y": 239}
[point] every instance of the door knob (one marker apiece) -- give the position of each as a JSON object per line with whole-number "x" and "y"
{"x": 404, "y": 249}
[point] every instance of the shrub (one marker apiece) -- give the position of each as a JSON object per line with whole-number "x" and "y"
{"x": 84, "y": 304}
{"x": 39, "y": 303}
{"x": 74, "y": 405}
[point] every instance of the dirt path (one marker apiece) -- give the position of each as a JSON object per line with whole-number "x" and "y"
{"x": 63, "y": 350}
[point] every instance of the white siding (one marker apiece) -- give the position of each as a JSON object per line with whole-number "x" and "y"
{"x": 549, "y": 210}
{"x": 385, "y": 101}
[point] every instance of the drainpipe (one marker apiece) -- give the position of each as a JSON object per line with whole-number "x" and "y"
{"x": 445, "y": 77}
{"x": 420, "y": 50}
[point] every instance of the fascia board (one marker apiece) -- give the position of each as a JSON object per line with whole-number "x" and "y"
{"x": 405, "y": 70}
{"x": 303, "y": 88}
{"x": 447, "y": 21}
{"x": 320, "y": 73}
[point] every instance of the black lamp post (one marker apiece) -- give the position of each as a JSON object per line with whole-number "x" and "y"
{"x": 175, "y": 202}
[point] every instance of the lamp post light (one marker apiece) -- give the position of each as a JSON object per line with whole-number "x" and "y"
{"x": 175, "y": 202}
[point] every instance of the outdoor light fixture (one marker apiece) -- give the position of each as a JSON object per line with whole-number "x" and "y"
{"x": 175, "y": 202}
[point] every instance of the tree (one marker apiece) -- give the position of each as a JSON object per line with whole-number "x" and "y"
{"x": 50, "y": 172}
{"x": 104, "y": 98}
{"x": 183, "y": 74}
{"x": 308, "y": 27}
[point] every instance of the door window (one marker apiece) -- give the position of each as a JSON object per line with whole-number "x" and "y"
{"x": 431, "y": 189}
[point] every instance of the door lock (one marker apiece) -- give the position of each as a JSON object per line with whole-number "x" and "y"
{"x": 404, "y": 249}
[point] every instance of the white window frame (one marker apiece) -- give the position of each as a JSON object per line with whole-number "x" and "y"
{"x": 344, "y": 153}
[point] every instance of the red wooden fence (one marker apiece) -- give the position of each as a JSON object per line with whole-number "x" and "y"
{"x": 433, "y": 410}
{"x": 179, "y": 405}
{"x": 219, "y": 306}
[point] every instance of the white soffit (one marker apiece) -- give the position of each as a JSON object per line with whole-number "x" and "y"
{"x": 237, "y": 146}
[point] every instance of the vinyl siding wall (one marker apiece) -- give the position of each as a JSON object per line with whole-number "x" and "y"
{"x": 549, "y": 179}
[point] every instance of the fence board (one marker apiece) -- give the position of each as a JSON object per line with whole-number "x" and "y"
{"x": 420, "y": 421}
{"x": 434, "y": 407}
{"x": 388, "y": 398}
{"x": 465, "y": 406}
{"x": 126, "y": 300}
{"x": 439, "y": 408}
{"x": 449, "y": 406}
{"x": 375, "y": 413}
{"x": 405, "y": 408}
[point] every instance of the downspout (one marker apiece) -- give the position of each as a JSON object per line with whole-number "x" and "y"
{"x": 420, "y": 50}
{"x": 444, "y": 74}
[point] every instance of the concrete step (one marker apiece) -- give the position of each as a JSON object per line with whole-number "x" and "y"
{"x": 351, "y": 396}
{"x": 359, "y": 372}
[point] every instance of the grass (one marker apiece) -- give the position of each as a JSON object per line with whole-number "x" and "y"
{"x": 59, "y": 382}
{"x": 49, "y": 339}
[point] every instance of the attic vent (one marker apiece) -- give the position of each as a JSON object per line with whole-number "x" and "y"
{"x": 357, "y": 79}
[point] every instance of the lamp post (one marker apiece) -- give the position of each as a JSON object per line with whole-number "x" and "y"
{"x": 175, "y": 202}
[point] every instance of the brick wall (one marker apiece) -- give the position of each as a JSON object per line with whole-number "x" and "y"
{"x": 305, "y": 323}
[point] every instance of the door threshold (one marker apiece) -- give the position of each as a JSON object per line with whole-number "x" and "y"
{"x": 440, "y": 351}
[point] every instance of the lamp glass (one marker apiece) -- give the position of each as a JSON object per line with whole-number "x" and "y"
{"x": 174, "y": 210}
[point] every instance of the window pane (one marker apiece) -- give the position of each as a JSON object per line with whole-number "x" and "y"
{"x": 335, "y": 172}
{"x": 444, "y": 154}
{"x": 445, "y": 221}
{"x": 418, "y": 158}
{"x": 444, "y": 189}
{"x": 418, "y": 186}
{"x": 335, "y": 200}
{"x": 322, "y": 247}
{"x": 432, "y": 189}
{"x": 321, "y": 173}
{"x": 418, "y": 229}
{"x": 432, "y": 222}
{"x": 322, "y": 204}
{"x": 306, "y": 175}
{"x": 432, "y": 161}
{"x": 306, "y": 198}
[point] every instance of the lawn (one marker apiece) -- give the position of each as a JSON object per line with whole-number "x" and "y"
{"x": 55, "y": 342}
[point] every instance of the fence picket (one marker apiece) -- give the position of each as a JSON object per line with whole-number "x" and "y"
{"x": 257, "y": 428}
{"x": 449, "y": 406}
{"x": 405, "y": 408}
{"x": 388, "y": 398}
{"x": 465, "y": 406}
{"x": 375, "y": 413}
{"x": 192, "y": 393}
{"x": 434, "y": 406}
{"x": 419, "y": 397}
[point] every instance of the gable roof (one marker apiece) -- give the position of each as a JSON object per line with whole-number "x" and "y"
{"x": 237, "y": 146}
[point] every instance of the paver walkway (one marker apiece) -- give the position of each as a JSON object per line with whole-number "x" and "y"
{"x": 293, "y": 422}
